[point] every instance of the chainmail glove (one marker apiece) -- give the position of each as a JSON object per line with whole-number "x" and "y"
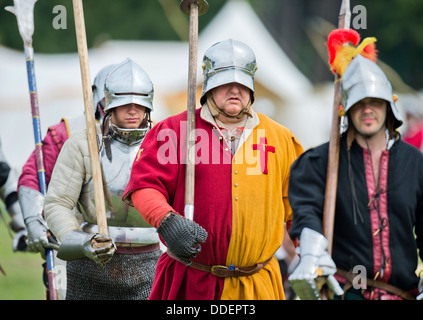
{"x": 182, "y": 236}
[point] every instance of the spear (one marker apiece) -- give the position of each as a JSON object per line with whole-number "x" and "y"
{"x": 24, "y": 12}
{"x": 81, "y": 40}
{"x": 334, "y": 140}
{"x": 193, "y": 8}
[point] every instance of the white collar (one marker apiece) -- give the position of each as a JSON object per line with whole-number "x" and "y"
{"x": 250, "y": 124}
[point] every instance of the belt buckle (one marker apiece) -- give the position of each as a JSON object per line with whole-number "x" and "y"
{"x": 217, "y": 270}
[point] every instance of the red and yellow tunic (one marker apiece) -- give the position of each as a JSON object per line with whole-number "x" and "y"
{"x": 241, "y": 200}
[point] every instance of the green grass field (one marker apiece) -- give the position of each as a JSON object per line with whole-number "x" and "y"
{"x": 23, "y": 280}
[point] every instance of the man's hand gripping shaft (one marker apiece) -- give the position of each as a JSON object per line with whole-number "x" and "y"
{"x": 78, "y": 244}
{"x": 315, "y": 265}
{"x": 182, "y": 236}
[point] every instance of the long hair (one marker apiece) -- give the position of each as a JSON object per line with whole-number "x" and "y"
{"x": 390, "y": 122}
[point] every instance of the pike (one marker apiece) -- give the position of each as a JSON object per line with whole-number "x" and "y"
{"x": 193, "y": 8}
{"x": 81, "y": 40}
{"x": 344, "y": 20}
{"x": 24, "y": 12}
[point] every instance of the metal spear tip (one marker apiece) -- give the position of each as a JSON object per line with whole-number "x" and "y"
{"x": 203, "y": 6}
{"x": 345, "y": 12}
{"x": 24, "y": 12}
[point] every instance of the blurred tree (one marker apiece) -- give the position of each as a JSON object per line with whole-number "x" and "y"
{"x": 395, "y": 23}
{"x": 104, "y": 20}
{"x": 398, "y": 26}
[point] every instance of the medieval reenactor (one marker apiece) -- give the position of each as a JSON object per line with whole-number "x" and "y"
{"x": 242, "y": 167}
{"x": 123, "y": 269}
{"x": 37, "y": 236}
{"x": 30, "y": 197}
{"x": 379, "y": 199}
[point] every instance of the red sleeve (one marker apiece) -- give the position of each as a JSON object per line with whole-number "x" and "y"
{"x": 152, "y": 205}
{"x": 156, "y": 164}
{"x": 53, "y": 141}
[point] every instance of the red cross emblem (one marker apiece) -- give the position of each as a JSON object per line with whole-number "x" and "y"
{"x": 263, "y": 149}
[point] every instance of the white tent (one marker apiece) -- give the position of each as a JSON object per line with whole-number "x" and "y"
{"x": 237, "y": 20}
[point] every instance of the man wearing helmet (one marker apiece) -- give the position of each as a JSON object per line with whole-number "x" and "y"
{"x": 241, "y": 175}
{"x": 379, "y": 199}
{"x": 124, "y": 269}
{"x": 31, "y": 199}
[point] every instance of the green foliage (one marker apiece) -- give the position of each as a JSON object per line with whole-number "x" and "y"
{"x": 398, "y": 28}
{"x": 23, "y": 280}
{"x": 104, "y": 19}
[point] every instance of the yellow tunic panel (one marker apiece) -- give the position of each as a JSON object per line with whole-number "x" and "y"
{"x": 260, "y": 208}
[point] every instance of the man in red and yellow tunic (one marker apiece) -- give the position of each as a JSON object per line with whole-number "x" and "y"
{"x": 241, "y": 181}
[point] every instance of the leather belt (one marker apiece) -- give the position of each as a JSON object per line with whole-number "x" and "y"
{"x": 137, "y": 249}
{"x": 349, "y": 276}
{"x": 223, "y": 271}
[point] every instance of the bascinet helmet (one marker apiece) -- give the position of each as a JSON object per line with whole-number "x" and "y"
{"x": 228, "y": 61}
{"x": 98, "y": 87}
{"x": 128, "y": 83}
{"x": 364, "y": 79}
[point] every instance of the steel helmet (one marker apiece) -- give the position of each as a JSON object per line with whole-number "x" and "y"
{"x": 228, "y": 61}
{"x": 98, "y": 86}
{"x": 128, "y": 83}
{"x": 364, "y": 79}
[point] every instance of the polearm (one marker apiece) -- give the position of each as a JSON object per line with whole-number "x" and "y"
{"x": 334, "y": 140}
{"x": 24, "y": 12}
{"x": 193, "y": 8}
{"x": 81, "y": 40}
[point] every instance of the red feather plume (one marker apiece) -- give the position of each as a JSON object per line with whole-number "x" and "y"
{"x": 343, "y": 47}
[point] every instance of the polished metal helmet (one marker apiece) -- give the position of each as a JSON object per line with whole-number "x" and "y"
{"x": 364, "y": 79}
{"x": 128, "y": 83}
{"x": 98, "y": 86}
{"x": 228, "y": 61}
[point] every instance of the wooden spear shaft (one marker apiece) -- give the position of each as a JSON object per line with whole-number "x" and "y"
{"x": 332, "y": 172}
{"x": 191, "y": 7}
{"x": 334, "y": 141}
{"x": 89, "y": 116}
{"x": 192, "y": 72}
